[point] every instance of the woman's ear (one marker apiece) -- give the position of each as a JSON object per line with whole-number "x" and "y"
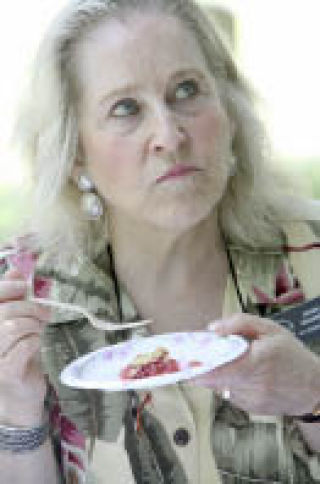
{"x": 78, "y": 168}
{"x": 76, "y": 171}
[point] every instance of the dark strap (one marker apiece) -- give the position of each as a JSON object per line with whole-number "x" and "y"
{"x": 115, "y": 281}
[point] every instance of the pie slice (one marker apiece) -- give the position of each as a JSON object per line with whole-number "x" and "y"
{"x": 145, "y": 365}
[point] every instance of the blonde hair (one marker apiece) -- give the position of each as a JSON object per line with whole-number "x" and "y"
{"x": 254, "y": 202}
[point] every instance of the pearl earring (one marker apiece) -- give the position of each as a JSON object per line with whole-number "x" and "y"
{"x": 91, "y": 203}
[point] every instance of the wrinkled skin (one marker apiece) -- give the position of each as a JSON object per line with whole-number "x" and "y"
{"x": 22, "y": 383}
{"x": 264, "y": 379}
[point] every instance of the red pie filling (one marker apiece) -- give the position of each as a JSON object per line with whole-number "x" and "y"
{"x": 194, "y": 364}
{"x": 150, "y": 364}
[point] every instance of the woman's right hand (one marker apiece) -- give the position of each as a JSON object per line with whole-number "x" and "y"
{"x": 22, "y": 383}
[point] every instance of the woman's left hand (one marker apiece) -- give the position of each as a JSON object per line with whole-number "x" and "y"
{"x": 278, "y": 375}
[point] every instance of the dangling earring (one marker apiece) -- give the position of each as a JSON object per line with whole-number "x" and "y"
{"x": 91, "y": 203}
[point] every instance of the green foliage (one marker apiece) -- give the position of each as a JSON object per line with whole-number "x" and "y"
{"x": 313, "y": 173}
{"x": 309, "y": 171}
{"x": 13, "y": 209}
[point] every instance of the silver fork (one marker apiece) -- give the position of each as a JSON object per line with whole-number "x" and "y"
{"x": 97, "y": 323}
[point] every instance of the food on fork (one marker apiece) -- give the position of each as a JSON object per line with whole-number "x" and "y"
{"x": 145, "y": 365}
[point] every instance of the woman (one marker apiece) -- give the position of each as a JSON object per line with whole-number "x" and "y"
{"x": 139, "y": 119}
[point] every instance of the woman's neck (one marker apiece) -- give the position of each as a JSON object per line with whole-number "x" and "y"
{"x": 173, "y": 278}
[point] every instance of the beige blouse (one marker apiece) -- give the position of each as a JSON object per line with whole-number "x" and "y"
{"x": 223, "y": 443}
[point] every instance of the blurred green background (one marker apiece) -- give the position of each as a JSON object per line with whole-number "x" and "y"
{"x": 14, "y": 208}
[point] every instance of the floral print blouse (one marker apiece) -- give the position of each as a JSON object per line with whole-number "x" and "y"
{"x": 173, "y": 435}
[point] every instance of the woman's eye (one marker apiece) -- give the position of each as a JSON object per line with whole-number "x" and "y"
{"x": 187, "y": 89}
{"x": 125, "y": 107}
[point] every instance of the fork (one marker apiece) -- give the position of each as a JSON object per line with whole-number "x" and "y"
{"x": 97, "y": 323}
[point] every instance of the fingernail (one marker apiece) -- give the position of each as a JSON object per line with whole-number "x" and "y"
{"x": 14, "y": 273}
{"x": 215, "y": 326}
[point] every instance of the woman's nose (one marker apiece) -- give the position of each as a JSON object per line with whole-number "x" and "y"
{"x": 168, "y": 134}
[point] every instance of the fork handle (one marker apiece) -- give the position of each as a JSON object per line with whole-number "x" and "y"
{"x": 103, "y": 325}
{"x": 57, "y": 304}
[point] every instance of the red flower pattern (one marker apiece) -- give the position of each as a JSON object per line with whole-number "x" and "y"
{"x": 25, "y": 261}
{"x": 72, "y": 441}
{"x": 287, "y": 290}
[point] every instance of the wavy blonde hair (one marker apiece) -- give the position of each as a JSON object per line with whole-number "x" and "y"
{"x": 254, "y": 203}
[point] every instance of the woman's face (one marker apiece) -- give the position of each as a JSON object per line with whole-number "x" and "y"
{"x": 155, "y": 137}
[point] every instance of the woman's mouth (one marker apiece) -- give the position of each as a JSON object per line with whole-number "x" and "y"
{"x": 177, "y": 171}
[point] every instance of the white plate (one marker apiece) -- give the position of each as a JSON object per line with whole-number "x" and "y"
{"x": 101, "y": 369}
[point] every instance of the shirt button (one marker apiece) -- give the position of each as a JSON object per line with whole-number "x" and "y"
{"x": 181, "y": 437}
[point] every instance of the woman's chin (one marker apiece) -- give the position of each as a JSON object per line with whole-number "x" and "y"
{"x": 180, "y": 219}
